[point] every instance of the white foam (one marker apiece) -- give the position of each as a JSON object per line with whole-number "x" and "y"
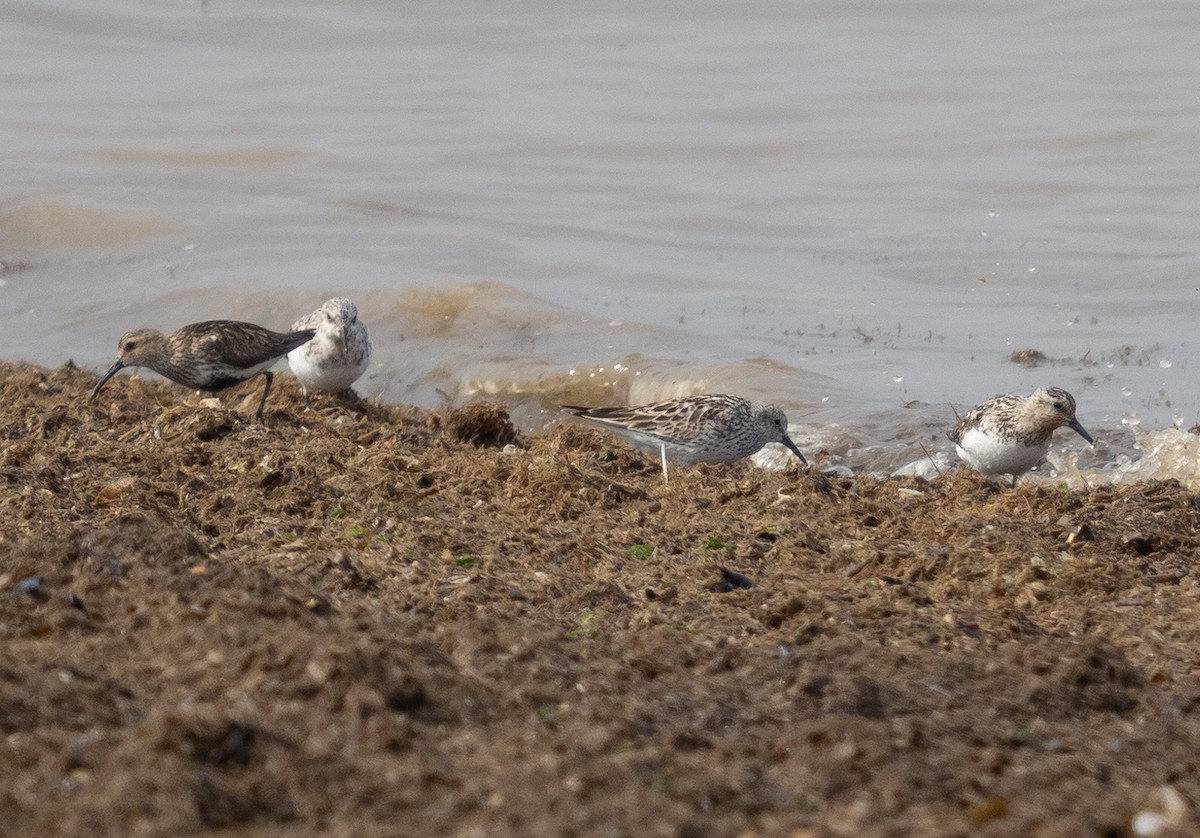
{"x": 1165, "y": 455}
{"x": 929, "y": 467}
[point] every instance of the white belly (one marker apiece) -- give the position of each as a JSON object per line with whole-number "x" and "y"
{"x": 322, "y": 367}
{"x": 994, "y": 455}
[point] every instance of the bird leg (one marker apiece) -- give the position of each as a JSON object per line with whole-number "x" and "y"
{"x": 267, "y": 374}
{"x": 662, "y": 447}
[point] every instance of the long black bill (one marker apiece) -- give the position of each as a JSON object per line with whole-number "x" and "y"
{"x": 788, "y": 442}
{"x": 113, "y": 370}
{"x": 1078, "y": 428}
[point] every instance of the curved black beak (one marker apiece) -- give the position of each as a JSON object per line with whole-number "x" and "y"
{"x": 787, "y": 440}
{"x": 1078, "y": 428}
{"x": 113, "y": 370}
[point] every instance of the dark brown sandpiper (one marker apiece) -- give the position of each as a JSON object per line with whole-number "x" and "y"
{"x": 210, "y": 356}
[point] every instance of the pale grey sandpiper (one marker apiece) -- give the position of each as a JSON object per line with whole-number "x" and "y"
{"x": 338, "y": 355}
{"x": 1010, "y": 434}
{"x": 714, "y": 428}
{"x": 210, "y": 356}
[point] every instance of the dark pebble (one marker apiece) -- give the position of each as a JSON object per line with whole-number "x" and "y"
{"x": 731, "y": 580}
{"x": 31, "y": 586}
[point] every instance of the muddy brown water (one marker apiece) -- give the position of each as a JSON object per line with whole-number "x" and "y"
{"x": 366, "y": 620}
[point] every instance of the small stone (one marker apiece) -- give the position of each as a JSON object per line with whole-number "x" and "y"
{"x": 1166, "y": 811}
{"x": 731, "y": 580}
{"x": 111, "y": 492}
{"x": 31, "y": 586}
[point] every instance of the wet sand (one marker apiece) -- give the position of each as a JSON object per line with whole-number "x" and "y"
{"x": 373, "y": 620}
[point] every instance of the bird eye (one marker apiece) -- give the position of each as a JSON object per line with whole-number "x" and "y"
{"x": 130, "y": 345}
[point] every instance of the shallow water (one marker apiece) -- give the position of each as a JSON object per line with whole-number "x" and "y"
{"x": 858, "y": 210}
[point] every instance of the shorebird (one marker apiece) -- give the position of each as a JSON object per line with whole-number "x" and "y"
{"x": 211, "y": 355}
{"x": 716, "y": 428}
{"x": 337, "y": 356}
{"x": 1011, "y": 434}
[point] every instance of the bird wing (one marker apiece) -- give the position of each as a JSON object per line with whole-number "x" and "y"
{"x": 681, "y": 420}
{"x": 242, "y": 344}
{"x": 971, "y": 419}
